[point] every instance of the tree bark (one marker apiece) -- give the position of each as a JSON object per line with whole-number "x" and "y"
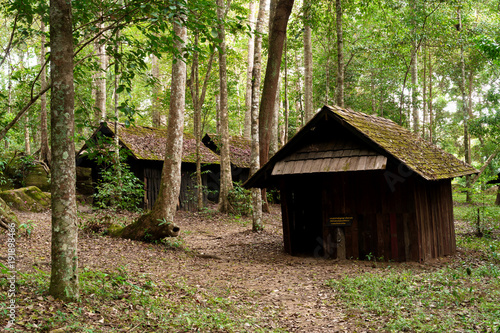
{"x": 156, "y": 109}
{"x": 44, "y": 137}
{"x": 159, "y": 223}
{"x": 308, "y": 63}
{"x": 286, "y": 112}
{"x": 276, "y": 41}
{"x": 198, "y": 100}
{"x": 256, "y": 79}
{"x": 424, "y": 93}
{"x": 64, "y": 256}
{"x": 248, "y": 91}
{"x": 465, "y": 112}
{"x": 27, "y": 144}
{"x": 100, "y": 88}
{"x": 226, "y": 182}
{"x": 431, "y": 116}
{"x": 340, "y": 55}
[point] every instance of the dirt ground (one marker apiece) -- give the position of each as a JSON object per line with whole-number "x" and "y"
{"x": 219, "y": 251}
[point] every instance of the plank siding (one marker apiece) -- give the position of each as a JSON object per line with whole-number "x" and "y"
{"x": 411, "y": 221}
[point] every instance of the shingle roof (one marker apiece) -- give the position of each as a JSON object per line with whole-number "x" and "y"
{"x": 148, "y": 143}
{"x": 421, "y": 156}
{"x": 383, "y": 136}
{"x": 239, "y": 148}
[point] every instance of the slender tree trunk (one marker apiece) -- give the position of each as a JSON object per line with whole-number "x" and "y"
{"x": 414, "y": 91}
{"x": 217, "y": 109}
{"x": 27, "y": 145}
{"x": 44, "y": 137}
{"x": 9, "y": 102}
{"x": 340, "y": 55}
{"x": 250, "y": 56}
{"x": 156, "y": 108}
{"x": 431, "y": 119}
{"x": 195, "y": 88}
{"x": 198, "y": 100}
{"x": 226, "y": 183}
{"x": 424, "y": 93}
{"x": 100, "y": 89}
{"x": 117, "y": 162}
{"x": 64, "y": 251}
{"x": 257, "y": 224}
{"x": 159, "y": 223}
{"x": 308, "y": 62}
{"x": 465, "y": 112}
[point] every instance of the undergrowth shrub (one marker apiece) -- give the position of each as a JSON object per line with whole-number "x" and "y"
{"x": 119, "y": 188}
{"x": 240, "y": 200}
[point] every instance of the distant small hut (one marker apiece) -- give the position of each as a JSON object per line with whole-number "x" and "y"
{"x": 355, "y": 186}
{"x": 239, "y": 151}
{"x": 145, "y": 147}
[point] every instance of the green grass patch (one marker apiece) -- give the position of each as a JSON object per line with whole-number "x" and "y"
{"x": 461, "y": 298}
{"x": 119, "y": 301}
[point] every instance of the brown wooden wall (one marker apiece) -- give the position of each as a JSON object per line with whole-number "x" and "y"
{"x": 188, "y": 191}
{"x": 410, "y": 220}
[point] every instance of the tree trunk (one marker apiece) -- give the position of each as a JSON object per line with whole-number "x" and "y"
{"x": 226, "y": 182}
{"x": 248, "y": 91}
{"x": 266, "y": 112}
{"x": 27, "y": 145}
{"x": 308, "y": 65}
{"x": 100, "y": 89}
{"x": 431, "y": 119}
{"x": 64, "y": 255}
{"x": 44, "y": 138}
{"x": 340, "y": 55}
{"x": 465, "y": 112}
{"x": 424, "y": 93}
{"x": 497, "y": 200}
{"x": 256, "y": 79}
{"x": 156, "y": 107}
{"x": 159, "y": 223}
{"x": 116, "y": 98}
{"x": 194, "y": 85}
{"x": 414, "y": 91}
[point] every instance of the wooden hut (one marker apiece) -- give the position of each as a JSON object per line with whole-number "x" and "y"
{"x": 239, "y": 152}
{"x": 145, "y": 147}
{"x": 359, "y": 186}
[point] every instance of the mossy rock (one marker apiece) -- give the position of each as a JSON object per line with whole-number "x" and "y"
{"x": 39, "y": 177}
{"x": 7, "y": 215}
{"x": 27, "y": 199}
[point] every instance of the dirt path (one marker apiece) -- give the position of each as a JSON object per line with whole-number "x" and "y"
{"x": 218, "y": 252}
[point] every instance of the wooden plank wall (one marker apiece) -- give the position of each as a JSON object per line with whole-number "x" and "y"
{"x": 411, "y": 221}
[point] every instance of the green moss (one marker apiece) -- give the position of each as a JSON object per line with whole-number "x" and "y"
{"x": 7, "y": 214}
{"x": 27, "y": 199}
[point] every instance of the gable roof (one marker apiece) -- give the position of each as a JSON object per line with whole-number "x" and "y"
{"x": 239, "y": 148}
{"x": 148, "y": 143}
{"x": 382, "y": 136}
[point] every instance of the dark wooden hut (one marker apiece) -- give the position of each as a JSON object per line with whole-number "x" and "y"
{"x": 145, "y": 147}
{"x": 360, "y": 186}
{"x": 239, "y": 151}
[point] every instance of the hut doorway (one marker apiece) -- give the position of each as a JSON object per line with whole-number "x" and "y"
{"x": 306, "y": 220}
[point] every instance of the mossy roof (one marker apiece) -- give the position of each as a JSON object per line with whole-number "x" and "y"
{"x": 148, "y": 143}
{"x": 382, "y": 135}
{"x": 239, "y": 149}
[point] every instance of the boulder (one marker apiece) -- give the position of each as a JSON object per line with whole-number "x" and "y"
{"x": 7, "y": 216}
{"x": 27, "y": 199}
{"x": 39, "y": 176}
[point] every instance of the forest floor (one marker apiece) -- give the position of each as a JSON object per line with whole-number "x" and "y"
{"x": 219, "y": 276}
